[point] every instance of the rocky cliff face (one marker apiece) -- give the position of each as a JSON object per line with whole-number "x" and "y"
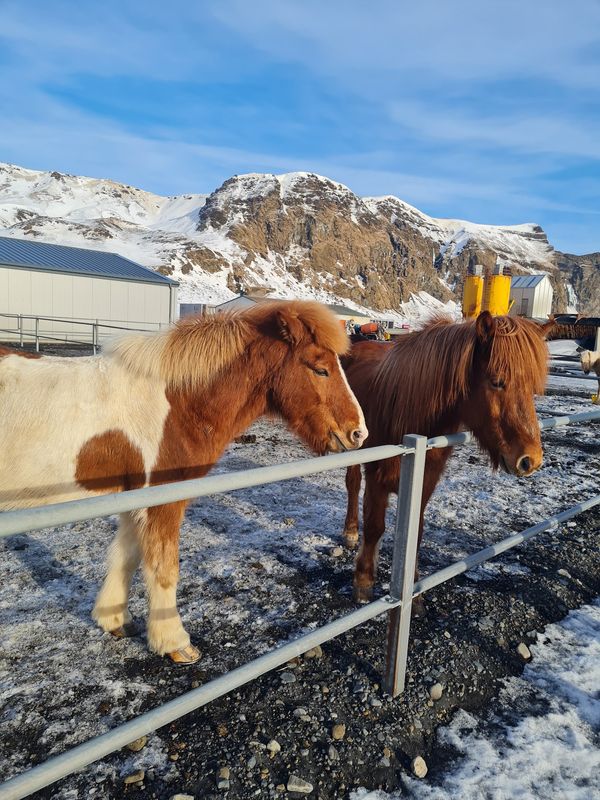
{"x": 581, "y": 275}
{"x": 300, "y": 234}
{"x": 374, "y": 251}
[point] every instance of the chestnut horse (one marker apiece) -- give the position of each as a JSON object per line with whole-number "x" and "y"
{"x": 162, "y": 407}
{"x": 480, "y": 375}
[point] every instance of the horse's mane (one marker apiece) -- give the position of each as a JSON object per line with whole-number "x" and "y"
{"x": 428, "y": 372}
{"x": 196, "y": 349}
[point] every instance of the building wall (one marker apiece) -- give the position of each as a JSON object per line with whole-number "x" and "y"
{"x": 534, "y": 302}
{"x": 542, "y": 303}
{"x": 124, "y": 303}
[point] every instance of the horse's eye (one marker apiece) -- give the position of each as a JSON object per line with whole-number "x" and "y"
{"x": 322, "y": 372}
{"x": 497, "y": 383}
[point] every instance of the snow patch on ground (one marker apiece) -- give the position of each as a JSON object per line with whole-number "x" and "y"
{"x": 544, "y": 742}
{"x": 62, "y": 681}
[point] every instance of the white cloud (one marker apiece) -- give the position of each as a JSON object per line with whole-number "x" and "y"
{"x": 466, "y": 40}
{"x": 527, "y": 133}
{"x": 465, "y": 109}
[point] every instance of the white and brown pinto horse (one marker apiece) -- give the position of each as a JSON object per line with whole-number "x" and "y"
{"x": 162, "y": 407}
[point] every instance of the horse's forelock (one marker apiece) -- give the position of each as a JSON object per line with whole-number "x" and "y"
{"x": 519, "y": 353}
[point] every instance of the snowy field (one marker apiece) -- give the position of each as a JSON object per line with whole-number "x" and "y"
{"x": 543, "y": 742}
{"x": 63, "y": 681}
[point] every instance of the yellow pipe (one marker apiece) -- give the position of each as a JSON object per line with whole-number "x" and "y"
{"x": 472, "y": 296}
{"x": 496, "y": 297}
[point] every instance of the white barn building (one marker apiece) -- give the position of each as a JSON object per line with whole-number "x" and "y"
{"x": 76, "y": 284}
{"x": 531, "y": 296}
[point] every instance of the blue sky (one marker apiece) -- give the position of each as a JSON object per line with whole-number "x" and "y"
{"x": 487, "y": 111}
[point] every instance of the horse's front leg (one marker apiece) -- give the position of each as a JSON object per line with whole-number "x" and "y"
{"x": 353, "y": 481}
{"x": 160, "y": 553}
{"x": 374, "y": 506}
{"x": 110, "y": 610}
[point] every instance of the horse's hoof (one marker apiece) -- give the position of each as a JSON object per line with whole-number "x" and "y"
{"x": 362, "y": 594}
{"x": 418, "y": 608}
{"x": 185, "y": 655}
{"x": 126, "y": 631}
{"x": 350, "y": 539}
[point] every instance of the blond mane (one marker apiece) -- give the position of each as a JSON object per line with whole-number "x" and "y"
{"x": 195, "y": 350}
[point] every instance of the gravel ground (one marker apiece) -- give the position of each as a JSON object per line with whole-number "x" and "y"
{"x": 261, "y": 566}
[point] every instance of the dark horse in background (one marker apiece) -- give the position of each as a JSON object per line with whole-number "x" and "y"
{"x": 478, "y": 375}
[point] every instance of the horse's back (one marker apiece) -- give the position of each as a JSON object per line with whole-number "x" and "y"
{"x": 52, "y": 407}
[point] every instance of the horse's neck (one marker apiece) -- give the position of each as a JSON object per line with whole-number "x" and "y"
{"x": 449, "y": 422}
{"x": 206, "y": 420}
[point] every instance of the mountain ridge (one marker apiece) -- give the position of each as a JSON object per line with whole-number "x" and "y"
{"x": 299, "y": 233}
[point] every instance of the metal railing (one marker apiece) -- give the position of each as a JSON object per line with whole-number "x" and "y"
{"x": 65, "y": 330}
{"x": 397, "y": 604}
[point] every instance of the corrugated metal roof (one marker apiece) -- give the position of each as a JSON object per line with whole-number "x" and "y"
{"x": 76, "y": 260}
{"x": 526, "y": 281}
{"x": 345, "y": 311}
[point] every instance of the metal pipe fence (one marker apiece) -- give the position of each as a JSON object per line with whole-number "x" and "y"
{"x": 66, "y": 330}
{"x": 397, "y": 604}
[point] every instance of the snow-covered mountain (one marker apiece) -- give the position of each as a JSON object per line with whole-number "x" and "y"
{"x": 300, "y": 234}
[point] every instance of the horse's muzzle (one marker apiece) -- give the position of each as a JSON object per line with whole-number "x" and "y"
{"x": 351, "y": 441}
{"x": 524, "y": 465}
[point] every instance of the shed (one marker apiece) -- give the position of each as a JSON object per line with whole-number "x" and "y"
{"x": 237, "y": 303}
{"x": 75, "y": 284}
{"x": 344, "y": 313}
{"x": 531, "y": 296}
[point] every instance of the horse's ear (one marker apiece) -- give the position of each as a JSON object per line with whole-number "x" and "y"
{"x": 548, "y": 327}
{"x": 485, "y": 327}
{"x": 290, "y": 328}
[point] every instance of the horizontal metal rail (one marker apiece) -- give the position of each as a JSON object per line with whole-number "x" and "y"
{"x": 62, "y": 337}
{"x": 475, "y": 559}
{"x": 454, "y": 439}
{"x": 85, "y": 321}
{"x": 78, "y": 757}
{"x": 33, "y": 519}
{"x": 86, "y": 753}
{"x": 558, "y": 422}
{"x": 50, "y": 516}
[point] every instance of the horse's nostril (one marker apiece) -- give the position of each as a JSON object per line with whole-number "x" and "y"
{"x": 524, "y": 464}
{"x": 356, "y": 435}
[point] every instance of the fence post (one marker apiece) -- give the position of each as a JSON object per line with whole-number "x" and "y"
{"x": 410, "y": 490}
{"x": 20, "y": 330}
{"x": 37, "y": 334}
{"x": 95, "y": 336}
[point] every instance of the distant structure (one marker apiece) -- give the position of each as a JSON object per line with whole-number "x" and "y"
{"x": 343, "y": 313}
{"x": 473, "y": 292}
{"x": 238, "y": 303}
{"x": 192, "y": 309}
{"x": 486, "y": 293}
{"x": 531, "y": 296}
{"x": 346, "y": 314}
{"x": 496, "y": 293}
{"x": 72, "y": 283}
